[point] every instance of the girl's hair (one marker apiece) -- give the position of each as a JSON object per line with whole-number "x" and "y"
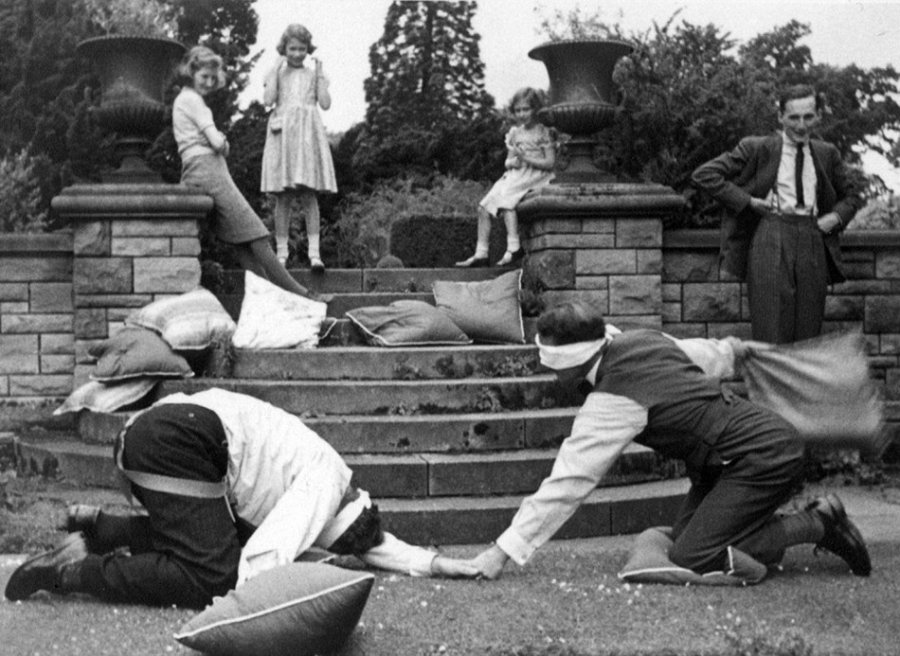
{"x": 200, "y": 57}
{"x": 536, "y": 98}
{"x": 295, "y": 31}
{"x": 574, "y": 321}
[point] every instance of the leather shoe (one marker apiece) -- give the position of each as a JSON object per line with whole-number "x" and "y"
{"x": 44, "y": 572}
{"x": 511, "y": 257}
{"x": 841, "y": 538}
{"x": 473, "y": 262}
{"x": 80, "y": 517}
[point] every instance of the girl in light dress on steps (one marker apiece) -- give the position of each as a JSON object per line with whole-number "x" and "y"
{"x": 530, "y": 161}
{"x": 203, "y": 150}
{"x": 297, "y": 158}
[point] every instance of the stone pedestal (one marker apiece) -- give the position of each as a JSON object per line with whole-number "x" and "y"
{"x": 132, "y": 244}
{"x": 599, "y": 242}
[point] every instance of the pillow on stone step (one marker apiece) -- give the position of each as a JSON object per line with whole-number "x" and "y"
{"x": 101, "y": 397}
{"x": 298, "y": 609}
{"x": 406, "y": 323}
{"x": 188, "y": 322}
{"x": 649, "y": 563}
{"x": 272, "y": 317}
{"x": 485, "y": 310}
{"x": 136, "y": 353}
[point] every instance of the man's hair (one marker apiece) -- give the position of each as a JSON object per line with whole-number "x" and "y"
{"x": 798, "y": 91}
{"x": 574, "y": 321}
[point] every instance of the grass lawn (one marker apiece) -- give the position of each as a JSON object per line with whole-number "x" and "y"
{"x": 567, "y": 602}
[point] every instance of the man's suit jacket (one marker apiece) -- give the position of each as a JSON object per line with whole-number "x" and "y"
{"x": 751, "y": 170}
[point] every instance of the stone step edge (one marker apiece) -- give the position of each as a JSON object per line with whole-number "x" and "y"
{"x": 466, "y": 520}
{"x": 402, "y": 476}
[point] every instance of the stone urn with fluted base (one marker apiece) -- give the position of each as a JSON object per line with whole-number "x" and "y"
{"x": 133, "y": 72}
{"x": 583, "y": 98}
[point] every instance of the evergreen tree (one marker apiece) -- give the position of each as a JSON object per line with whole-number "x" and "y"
{"x": 425, "y": 91}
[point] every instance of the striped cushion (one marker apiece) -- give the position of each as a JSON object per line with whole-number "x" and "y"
{"x": 188, "y": 322}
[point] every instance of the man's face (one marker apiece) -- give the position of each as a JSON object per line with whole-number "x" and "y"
{"x": 799, "y": 118}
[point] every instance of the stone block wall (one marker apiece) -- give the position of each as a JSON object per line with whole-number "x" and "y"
{"x": 37, "y": 353}
{"x": 698, "y": 301}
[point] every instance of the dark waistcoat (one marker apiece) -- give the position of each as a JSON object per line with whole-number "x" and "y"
{"x": 649, "y": 368}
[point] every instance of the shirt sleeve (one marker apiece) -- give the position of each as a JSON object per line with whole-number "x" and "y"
{"x": 292, "y": 526}
{"x": 715, "y": 356}
{"x": 603, "y": 427}
{"x": 397, "y": 556}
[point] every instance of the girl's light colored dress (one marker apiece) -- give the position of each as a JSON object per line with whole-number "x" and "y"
{"x": 515, "y": 183}
{"x": 296, "y": 152}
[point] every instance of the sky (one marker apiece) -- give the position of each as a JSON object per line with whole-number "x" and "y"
{"x": 863, "y": 32}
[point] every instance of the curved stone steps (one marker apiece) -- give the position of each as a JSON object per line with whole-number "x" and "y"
{"x": 385, "y": 397}
{"x": 411, "y": 475}
{"x": 377, "y": 363}
{"x": 447, "y": 433}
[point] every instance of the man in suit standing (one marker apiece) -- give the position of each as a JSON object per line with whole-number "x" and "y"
{"x": 787, "y": 197}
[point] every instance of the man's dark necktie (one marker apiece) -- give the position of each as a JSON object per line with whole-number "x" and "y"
{"x": 798, "y": 176}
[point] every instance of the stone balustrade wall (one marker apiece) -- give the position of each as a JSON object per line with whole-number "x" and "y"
{"x": 37, "y": 352}
{"x": 53, "y": 305}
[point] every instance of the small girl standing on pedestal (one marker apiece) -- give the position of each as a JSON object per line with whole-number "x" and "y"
{"x": 529, "y": 164}
{"x": 297, "y": 158}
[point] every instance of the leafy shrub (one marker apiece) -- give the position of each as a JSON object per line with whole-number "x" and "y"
{"x": 878, "y": 214}
{"x": 21, "y": 202}
{"x": 365, "y": 219}
{"x": 423, "y": 241}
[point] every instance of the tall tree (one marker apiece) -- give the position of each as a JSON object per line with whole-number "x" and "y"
{"x": 426, "y": 83}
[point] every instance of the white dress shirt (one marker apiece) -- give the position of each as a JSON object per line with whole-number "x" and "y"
{"x": 784, "y": 196}
{"x": 603, "y": 427}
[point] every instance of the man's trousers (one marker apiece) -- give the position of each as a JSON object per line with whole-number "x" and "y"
{"x": 186, "y": 550}
{"x": 751, "y": 470}
{"x": 787, "y": 279}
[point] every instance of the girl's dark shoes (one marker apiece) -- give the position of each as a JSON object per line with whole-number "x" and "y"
{"x": 316, "y": 265}
{"x": 473, "y": 262}
{"x": 511, "y": 257}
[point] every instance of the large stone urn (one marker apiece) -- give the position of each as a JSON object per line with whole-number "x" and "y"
{"x": 583, "y": 99}
{"x": 133, "y": 72}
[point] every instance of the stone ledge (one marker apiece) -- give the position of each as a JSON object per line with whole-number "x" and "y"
{"x": 53, "y": 242}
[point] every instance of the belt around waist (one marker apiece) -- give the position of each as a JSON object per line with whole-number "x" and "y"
{"x": 793, "y": 218}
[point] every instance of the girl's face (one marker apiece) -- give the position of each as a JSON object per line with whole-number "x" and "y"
{"x": 206, "y": 80}
{"x": 523, "y": 113}
{"x": 295, "y": 52}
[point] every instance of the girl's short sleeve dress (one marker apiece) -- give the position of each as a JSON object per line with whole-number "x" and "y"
{"x": 515, "y": 183}
{"x": 297, "y": 154}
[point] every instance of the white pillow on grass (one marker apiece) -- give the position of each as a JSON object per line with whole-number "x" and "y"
{"x": 273, "y": 318}
{"x": 298, "y": 609}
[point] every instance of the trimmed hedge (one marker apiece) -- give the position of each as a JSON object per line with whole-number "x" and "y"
{"x": 440, "y": 241}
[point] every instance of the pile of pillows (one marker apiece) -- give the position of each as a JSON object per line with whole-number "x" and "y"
{"x": 487, "y": 311}
{"x": 156, "y": 342}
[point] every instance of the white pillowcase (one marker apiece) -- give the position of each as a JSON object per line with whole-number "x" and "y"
{"x": 272, "y": 317}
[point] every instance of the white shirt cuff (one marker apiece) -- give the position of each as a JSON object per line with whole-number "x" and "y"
{"x": 514, "y": 546}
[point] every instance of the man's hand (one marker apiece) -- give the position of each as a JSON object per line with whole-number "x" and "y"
{"x": 759, "y": 205}
{"x": 489, "y": 563}
{"x": 453, "y": 568}
{"x": 829, "y": 222}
